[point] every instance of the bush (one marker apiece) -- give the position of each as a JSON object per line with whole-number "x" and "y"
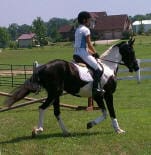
{"x": 43, "y": 42}
{"x": 148, "y": 32}
{"x": 13, "y": 44}
{"x": 126, "y": 34}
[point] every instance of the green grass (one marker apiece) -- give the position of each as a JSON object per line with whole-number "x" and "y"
{"x": 131, "y": 101}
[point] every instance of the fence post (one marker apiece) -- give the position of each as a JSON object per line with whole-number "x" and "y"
{"x": 90, "y": 104}
{"x": 138, "y": 73}
{"x": 25, "y": 72}
{"x": 11, "y": 66}
{"x": 36, "y": 63}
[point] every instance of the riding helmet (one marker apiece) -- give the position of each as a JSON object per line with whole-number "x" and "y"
{"x": 83, "y": 15}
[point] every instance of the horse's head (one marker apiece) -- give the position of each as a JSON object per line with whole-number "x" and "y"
{"x": 128, "y": 55}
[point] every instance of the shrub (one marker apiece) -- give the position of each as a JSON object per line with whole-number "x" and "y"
{"x": 126, "y": 34}
{"x": 43, "y": 42}
{"x": 13, "y": 44}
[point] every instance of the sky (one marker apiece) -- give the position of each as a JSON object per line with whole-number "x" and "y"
{"x": 25, "y": 11}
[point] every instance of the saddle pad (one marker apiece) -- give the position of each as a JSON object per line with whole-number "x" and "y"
{"x": 84, "y": 73}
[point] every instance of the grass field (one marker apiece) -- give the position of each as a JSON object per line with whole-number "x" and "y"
{"x": 132, "y": 103}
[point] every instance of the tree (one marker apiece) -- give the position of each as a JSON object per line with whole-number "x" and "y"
{"x": 53, "y": 26}
{"x": 40, "y": 30}
{"x": 24, "y": 29}
{"x": 140, "y": 17}
{"x": 4, "y": 37}
{"x": 13, "y": 31}
{"x": 141, "y": 29}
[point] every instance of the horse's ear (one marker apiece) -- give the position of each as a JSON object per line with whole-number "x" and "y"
{"x": 131, "y": 41}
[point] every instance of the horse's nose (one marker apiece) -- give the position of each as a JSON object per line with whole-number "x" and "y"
{"x": 136, "y": 68}
{"x": 130, "y": 70}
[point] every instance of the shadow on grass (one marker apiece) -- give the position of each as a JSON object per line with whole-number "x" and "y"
{"x": 54, "y": 135}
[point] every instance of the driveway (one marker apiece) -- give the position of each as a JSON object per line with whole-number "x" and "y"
{"x": 106, "y": 41}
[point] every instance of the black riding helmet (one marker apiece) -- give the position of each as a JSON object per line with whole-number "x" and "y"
{"x": 83, "y": 15}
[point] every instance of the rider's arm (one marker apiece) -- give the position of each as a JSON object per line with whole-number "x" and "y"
{"x": 91, "y": 49}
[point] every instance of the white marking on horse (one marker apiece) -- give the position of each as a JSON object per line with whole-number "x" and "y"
{"x": 109, "y": 70}
{"x": 62, "y": 126}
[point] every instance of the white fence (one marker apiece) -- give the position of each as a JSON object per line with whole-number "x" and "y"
{"x": 143, "y": 73}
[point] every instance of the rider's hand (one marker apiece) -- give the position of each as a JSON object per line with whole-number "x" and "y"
{"x": 96, "y": 55}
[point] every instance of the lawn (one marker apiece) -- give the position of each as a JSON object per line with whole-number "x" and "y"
{"x": 131, "y": 100}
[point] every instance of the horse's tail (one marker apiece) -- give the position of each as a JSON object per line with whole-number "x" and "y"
{"x": 31, "y": 85}
{"x": 16, "y": 95}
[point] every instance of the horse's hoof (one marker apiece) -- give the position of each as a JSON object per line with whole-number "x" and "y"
{"x": 34, "y": 133}
{"x": 89, "y": 125}
{"x": 120, "y": 131}
{"x": 66, "y": 134}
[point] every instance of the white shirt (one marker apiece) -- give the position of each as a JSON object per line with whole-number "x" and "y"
{"x": 80, "y": 36}
{"x": 80, "y": 47}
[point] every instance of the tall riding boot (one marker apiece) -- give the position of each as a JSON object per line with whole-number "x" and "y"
{"x": 97, "y": 90}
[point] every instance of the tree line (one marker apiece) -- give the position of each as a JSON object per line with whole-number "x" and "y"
{"x": 45, "y": 31}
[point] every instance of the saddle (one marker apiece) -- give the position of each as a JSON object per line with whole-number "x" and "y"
{"x": 85, "y": 71}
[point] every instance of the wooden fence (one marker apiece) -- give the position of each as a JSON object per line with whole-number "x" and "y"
{"x": 14, "y": 75}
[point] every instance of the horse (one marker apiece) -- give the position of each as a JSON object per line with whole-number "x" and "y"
{"x": 59, "y": 75}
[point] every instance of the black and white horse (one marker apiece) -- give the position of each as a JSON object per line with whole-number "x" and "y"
{"x": 58, "y": 75}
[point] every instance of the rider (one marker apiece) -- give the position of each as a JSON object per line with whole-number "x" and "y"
{"x": 85, "y": 50}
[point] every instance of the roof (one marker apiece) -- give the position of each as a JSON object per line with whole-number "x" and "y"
{"x": 26, "y": 36}
{"x": 111, "y": 22}
{"x": 103, "y": 22}
{"x": 142, "y": 22}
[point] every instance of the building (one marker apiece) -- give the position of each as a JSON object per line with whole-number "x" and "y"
{"x": 105, "y": 26}
{"x": 67, "y": 32}
{"x": 26, "y": 40}
{"x": 110, "y": 27}
{"x": 145, "y": 24}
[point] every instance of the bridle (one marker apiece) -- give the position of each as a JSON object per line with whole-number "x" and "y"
{"x": 120, "y": 63}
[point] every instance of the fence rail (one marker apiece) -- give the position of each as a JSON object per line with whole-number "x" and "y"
{"x": 143, "y": 73}
{"x": 14, "y": 75}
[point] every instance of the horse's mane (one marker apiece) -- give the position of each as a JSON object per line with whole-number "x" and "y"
{"x": 112, "y": 48}
{"x": 120, "y": 43}
{"x": 107, "y": 52}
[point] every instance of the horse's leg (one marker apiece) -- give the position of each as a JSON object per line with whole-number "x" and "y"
{"x": 100, "y": 102}
{"x": 58, "y": 116}
{"x": 110, "y": 106}
{"x": 42, "y": 109}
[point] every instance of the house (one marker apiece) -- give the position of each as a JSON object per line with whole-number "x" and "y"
{"x": 111, "y": 27}
{"x": 26, "y": 40}
{"x": 106, "y": 26}
{"x": 67, "y": 32}
{"x": 138, "y": 24}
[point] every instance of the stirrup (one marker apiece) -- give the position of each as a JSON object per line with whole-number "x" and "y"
{"x": 96, "y": 91}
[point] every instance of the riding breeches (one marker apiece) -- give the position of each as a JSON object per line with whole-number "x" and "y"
{"x": 87, "y": 58}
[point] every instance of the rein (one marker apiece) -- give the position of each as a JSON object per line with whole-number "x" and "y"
{"x": 120, "y": 63}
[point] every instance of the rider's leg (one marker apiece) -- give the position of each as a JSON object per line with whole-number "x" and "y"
{"x": 91, "y": 61}
{"x": 97, "y": 88}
